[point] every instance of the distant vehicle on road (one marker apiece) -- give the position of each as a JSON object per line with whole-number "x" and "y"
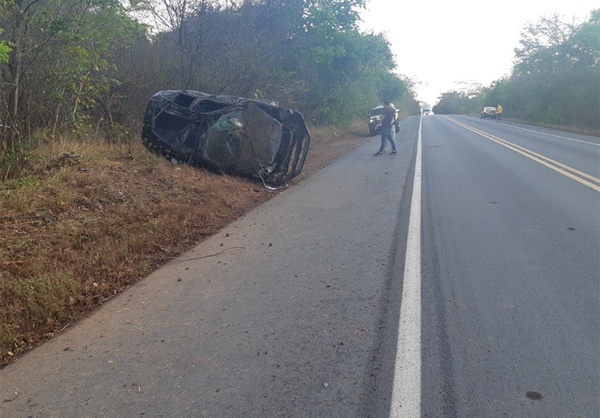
{"x": 375, "y": 119}
{"x": 488, "y": 112}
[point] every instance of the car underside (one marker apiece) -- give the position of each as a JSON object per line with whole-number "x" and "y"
{"x": 227, "y": 134}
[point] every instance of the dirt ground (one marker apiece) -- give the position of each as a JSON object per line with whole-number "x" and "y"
{"x": 320, "y": 155}
{"x": 85, "y": 223}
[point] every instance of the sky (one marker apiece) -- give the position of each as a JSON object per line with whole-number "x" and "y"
{"x": 441, "y": 44}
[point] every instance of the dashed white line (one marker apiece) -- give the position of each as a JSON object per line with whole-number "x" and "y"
{"x": 553, "y": 135}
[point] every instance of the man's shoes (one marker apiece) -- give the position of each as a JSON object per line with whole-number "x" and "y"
{"x": 393, "y": 152}
{"x": 378, "y": 153}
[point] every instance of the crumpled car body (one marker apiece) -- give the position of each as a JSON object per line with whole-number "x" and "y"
{"x": 228, "y": 134}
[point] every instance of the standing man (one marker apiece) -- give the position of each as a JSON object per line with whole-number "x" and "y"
{"x": 499, "y": 112}
{"x": 387, "y": 123}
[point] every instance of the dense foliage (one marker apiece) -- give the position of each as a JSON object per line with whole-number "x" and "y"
{"x": 555, "y": 79}
{"x": 90, "y": 66}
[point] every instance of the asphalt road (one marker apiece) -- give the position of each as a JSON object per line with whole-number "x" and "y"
{"x": 510, "y": 271}
{"x": 294, "y": 310}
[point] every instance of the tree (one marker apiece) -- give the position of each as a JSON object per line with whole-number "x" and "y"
{"x": 308, "y": 54}
{"x": 84, "y": 64}
{"x": 556, "y": 76}
{"x": 61, "y": 61}
{"x": 558, "y": 64}
{"x": 451, "y": 102}
{"x": 4, "y": 51}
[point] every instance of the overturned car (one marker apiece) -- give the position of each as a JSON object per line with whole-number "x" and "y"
{"x": 228, "y": 134}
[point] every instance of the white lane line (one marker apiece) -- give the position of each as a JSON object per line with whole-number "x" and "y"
{"x": 554, "y": 136}
{"x": 406, "y": 392}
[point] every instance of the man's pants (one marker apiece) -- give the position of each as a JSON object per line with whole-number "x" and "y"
{"x": 387, "y": 135}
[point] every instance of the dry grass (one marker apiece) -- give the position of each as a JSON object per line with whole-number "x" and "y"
{"x": 88, "y": 220}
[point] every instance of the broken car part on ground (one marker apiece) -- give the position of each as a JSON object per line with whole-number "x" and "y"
{"x": 228, "y": 134}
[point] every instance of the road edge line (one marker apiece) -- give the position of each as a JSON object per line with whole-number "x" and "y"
{"x": 406, "y": 390}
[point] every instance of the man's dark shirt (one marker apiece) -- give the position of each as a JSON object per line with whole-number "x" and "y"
{"x": 388, "y": 117}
